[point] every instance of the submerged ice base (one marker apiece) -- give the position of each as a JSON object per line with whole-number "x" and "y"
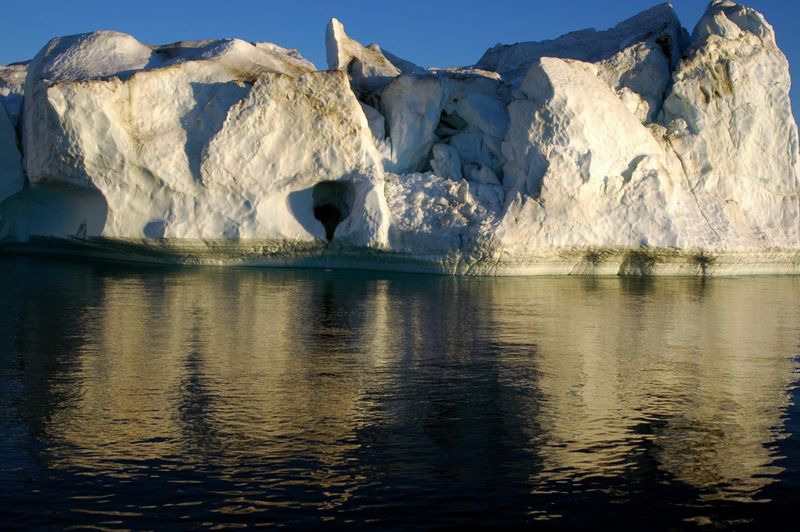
{"x": 641, "y": 262}
{"x": 639, "y": 150}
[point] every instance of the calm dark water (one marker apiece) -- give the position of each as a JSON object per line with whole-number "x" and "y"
{"x": 155, "y": 398}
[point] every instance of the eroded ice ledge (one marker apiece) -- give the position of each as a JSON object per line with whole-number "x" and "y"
{"x": 641, "y": 149}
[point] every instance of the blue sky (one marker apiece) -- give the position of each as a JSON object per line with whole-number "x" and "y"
{"x": 428, "y": 33}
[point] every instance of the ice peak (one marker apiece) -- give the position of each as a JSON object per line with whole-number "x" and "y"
{"x": 732, "y": 21}
{"x": 370, "y": 67}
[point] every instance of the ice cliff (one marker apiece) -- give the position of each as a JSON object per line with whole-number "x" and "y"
{"x": 641, "y": 149}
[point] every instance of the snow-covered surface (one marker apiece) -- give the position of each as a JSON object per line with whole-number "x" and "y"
{"x": 635, "y": 150}
{"x": 589, "y": 191}
{"x": 732, "y": 128}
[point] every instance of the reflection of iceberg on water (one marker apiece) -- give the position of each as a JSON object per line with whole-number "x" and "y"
{"x": 595, "y": 379}
{"x": 694, "y": 382}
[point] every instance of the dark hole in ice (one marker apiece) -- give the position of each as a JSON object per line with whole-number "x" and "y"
{"x": 449, "y": 124}
{"x": 332, "y": 203}
{"x": 330, "y": 218}
{"x": 665, "y": 42}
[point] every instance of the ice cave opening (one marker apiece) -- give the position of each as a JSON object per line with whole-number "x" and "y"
{"x": 332, "y": 203}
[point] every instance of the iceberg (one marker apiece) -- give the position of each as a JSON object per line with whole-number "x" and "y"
{"x": 638, "y": 150}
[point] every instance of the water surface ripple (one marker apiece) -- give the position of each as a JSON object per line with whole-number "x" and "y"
{"x": 149, "y": 398}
